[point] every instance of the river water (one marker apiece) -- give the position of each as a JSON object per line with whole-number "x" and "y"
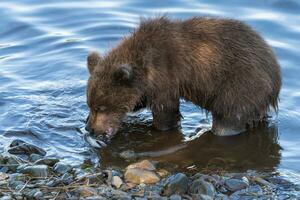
{"x": 43, "y": 49}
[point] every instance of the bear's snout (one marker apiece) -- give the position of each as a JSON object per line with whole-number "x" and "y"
{"x": 101, "y": 124}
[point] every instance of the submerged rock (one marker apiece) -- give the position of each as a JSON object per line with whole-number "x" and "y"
{"x": 21, "y": 147}
{"x": 141, "y": 176}
{"x": 129, "y": 154}
{"x": 144, "y": 164}
{"x": 176, "y": 184}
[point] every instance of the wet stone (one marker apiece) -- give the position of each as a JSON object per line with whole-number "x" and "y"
{"x": 176, "y": 184}
{"x": 61, "y": 168}
{"x": 236, "y": 184}
{"x": 141, "y": 176}
{"x": 34, "y": 157}
{"x": 21, "y": 147}
{"x": 36, "y": 170}
{"x": 200, "y": 186}
{"x": 47, "y": 161}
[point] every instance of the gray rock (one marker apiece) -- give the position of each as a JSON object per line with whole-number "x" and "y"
{"x": 61, "y": 168}
{"x": 21, "y": 147}
{"x": 95, "y": 198}
{"x": 34, "y": 157}
{"x": 65, "y": 179}
{"x": 4, "y": 169}
{"x": 36, "y": 170}
{"x": 221, "y": 197}
{"x": 200, "y": 186}
{"x": 17, "y": 177}
{"x": 33, "y": 194}
{"x": 176, "y": 184}
{"x": 47, "y": 161}
{"x": 6, "y": 197}
{"x": 253, "y": 192}
{"x": 12, "y": 164}
{"x": 16, "y": 184}
{"x": 236, "y": 184}
{"x": 110, "y": 193}
{"x": 201, "y": 197}
{"x": 175, "y": 197}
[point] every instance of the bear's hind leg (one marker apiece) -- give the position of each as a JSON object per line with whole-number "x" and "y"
{"x": 225, "y": 127}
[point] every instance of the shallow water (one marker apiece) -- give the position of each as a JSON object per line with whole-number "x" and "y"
{"x": 43, "y": 48}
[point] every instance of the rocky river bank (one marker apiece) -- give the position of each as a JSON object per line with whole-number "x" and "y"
{"x": 26, "y": 172}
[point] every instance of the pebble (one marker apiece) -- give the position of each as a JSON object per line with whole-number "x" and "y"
{"x": 36, "y": 170}
{"x": 86, "y": 191}
{"x": 116, "y": 181}
{"x": 21, "y": 147}
{"x": 176, "y": 184}
{"x": 175, "y": 197}
{"x": 236, "y": 184}
{"x": 141, "y": 176}
{"x": 61, "y": 168}
{"x": 200, "y": 186}
{"x": 3, "y": 176}
{"x": 201, "y": 197}
{"x": 144, "y": 164}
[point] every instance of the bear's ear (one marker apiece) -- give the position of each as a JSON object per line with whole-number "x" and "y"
{"x": 123, "y": 74}
{"x": 92, "y": 61}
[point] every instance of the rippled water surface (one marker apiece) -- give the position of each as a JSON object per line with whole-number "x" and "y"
{"x": 43, "y": 48}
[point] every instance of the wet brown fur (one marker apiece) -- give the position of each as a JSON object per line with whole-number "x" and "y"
{"x": 222, "y": 65}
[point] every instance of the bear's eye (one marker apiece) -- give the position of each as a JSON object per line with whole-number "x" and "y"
{"x": 101, "y": 108}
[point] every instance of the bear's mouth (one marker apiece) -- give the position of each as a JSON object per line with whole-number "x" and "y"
{"x": 100, "y": 141}
{"x": 96, "y": 142}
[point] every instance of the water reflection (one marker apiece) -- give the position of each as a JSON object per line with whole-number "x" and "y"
{"x": 256, "y": 149}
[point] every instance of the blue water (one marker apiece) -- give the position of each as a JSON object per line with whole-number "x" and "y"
{"x": 43, "y": 49}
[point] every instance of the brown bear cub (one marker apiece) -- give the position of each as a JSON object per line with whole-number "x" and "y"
{"x": 221, "y": 65}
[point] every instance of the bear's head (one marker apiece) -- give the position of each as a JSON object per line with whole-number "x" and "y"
{"x": 112, "y": 91}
